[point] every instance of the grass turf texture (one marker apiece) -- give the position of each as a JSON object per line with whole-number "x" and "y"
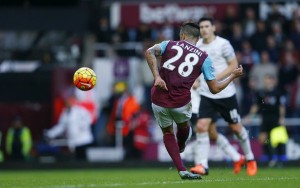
{"x": 144, "y": 178}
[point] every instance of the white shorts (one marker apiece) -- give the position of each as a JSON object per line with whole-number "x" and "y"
{"x": 166, "y": 116}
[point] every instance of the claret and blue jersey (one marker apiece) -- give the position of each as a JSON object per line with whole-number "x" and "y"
{"x": 181, "y": 65}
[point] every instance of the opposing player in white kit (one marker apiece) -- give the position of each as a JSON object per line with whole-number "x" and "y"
{"x": 224, "y": 102}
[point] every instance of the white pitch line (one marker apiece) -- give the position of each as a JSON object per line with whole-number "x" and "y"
{"x": 171, "y": 182}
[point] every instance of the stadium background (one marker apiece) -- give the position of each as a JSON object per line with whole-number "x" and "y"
{"x": 42, "y": 43}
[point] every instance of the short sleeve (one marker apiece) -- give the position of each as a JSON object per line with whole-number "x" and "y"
{"x": 228, "y": 51}
{"x": 163, "y": 46}
{"x": 208, "y": 69}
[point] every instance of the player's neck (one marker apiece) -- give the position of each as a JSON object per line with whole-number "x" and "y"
{"x": 191, "y": 41}
{"x": 210, "y": 39}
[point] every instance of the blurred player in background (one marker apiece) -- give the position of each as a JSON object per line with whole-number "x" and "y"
{"x": 18, "y": 141}
{"x": 76, "y": 122}
{"x": 181, "y": 64}
{"x": 225, "y": 102}
{"x": 270, "y": 103}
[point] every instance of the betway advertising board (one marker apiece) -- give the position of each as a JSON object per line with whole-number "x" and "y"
{"x": 131, "y": 15}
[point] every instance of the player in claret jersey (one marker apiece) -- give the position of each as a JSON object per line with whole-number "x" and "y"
{"x": 181, "y": 64}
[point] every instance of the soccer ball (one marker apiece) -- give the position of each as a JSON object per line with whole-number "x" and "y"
{"x": 84, "y": 78}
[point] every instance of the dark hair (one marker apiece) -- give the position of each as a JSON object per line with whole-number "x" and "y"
{"x": 190, "y": 29}
{"x": 211, "y": 20}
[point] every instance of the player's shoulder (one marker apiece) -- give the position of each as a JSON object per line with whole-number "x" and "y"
{"x": 165, "y": 42}
{"x": 199, "y": 43}
{"x": 172, "y": 42}
{"x": 222, "y": 40}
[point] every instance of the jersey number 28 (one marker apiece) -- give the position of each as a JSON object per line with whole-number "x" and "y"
{"x": 185, "y": 68}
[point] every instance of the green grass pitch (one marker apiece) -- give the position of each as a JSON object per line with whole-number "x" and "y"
{"x": 146, "y": 178}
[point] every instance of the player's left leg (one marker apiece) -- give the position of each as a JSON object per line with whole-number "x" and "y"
{"x": 182, "y": 117}
{"x": 228, "y": 108}
{"x": 244, "y": 140}
{"x": 223, "y": 143}
{"x": 184, "y": 134}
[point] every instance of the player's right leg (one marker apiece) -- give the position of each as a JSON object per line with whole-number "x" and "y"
{"x": 186, "y": 175}
{"x": 201, "y": 147}
{"x": 202, "y": 144}
{"x": 165, "y": 121}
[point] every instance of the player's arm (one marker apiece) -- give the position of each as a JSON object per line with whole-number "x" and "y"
{"x": 257, "y": 101}
{"x": 151, "y": 55}
{"x": 232, "y": 64}
{"x": 253, "y": 110}
{"x": 59, "y": 128}
{"x": 229, "y": 55}
{"x": 214, "y": 85}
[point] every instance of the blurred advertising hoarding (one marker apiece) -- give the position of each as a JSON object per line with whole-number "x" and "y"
{"x": 287, "y": 9}
{"x": 131, "y": 15}
{"x": 156, "y": 14}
